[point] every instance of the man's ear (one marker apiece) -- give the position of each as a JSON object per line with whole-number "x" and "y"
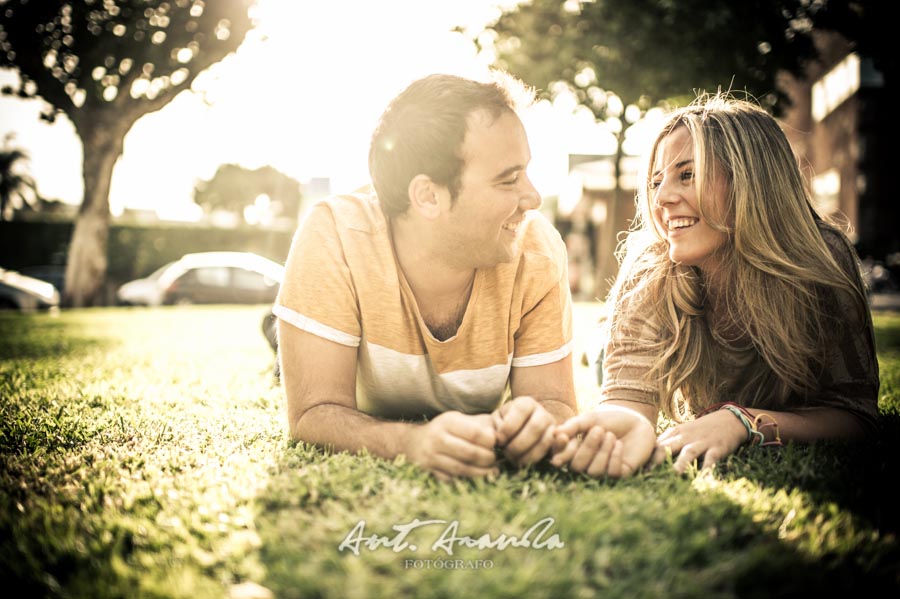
{"x": 423, "y": 197}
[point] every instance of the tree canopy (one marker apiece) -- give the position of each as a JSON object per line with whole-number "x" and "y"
{"x": 106, "y": 63}
{"x": 17, "y": 188}
{"x": 233, "y": 188}
{"x": 127, "y": 57}
{"x": 647, "y": 51}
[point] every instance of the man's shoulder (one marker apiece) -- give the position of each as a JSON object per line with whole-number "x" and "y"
{"x": 541, "y": 258}
{"x": 356, "y": 211}
{"x": 541, "y": 242}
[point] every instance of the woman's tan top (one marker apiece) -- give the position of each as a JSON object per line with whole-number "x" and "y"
{"x": 849, "y": 382}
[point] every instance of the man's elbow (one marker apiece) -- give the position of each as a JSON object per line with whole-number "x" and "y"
{"x": 299, "y": 425}
{"x": 296, "y": 430}
{"x": 308, "y": 424}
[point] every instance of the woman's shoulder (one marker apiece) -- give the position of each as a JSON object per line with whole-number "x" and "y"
{"x": 840, "y": 247}
{"x": 844, "y": 254}
{"x": 832, "y": 235}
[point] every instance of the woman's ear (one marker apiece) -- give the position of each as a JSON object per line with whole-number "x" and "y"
{"x": 423, "y": 197}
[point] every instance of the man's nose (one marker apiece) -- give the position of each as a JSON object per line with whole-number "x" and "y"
{"x": 530, "y": 199}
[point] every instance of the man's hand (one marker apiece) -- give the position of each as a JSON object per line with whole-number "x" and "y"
{"x": 524, "y": 430}
{"x": 610, "y": 441}
{"x": 711, "y": 437}
{"x": 454, "y": 444}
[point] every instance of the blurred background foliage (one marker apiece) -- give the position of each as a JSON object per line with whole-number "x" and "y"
{"x": 236, "y": 189}
{"x": 652, "y": 51}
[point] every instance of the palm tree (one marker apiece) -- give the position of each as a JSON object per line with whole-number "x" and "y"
{"x": 13, "y": 183}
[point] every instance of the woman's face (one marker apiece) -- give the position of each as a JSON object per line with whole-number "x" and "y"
{"x": 692, "y": 241}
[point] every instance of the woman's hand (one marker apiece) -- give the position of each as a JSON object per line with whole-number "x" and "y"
{"x": 610, "y": 441}
{"x": 711, "y": 437}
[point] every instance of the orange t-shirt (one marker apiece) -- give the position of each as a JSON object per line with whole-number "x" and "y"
{"x": 342, "y": 283}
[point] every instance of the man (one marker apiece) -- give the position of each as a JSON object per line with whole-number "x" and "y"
{"x": 406, "y": 313}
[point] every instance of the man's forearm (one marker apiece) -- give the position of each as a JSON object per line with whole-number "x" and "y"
{"x": 347, "y": 429}
{"x": 559, "y": 409}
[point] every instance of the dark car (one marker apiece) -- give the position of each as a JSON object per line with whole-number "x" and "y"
{"x": 20, "y": 292}
{"x": 208, "y": 278}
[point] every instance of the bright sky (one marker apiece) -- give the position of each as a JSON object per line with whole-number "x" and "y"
{"x": 302, "y": 94}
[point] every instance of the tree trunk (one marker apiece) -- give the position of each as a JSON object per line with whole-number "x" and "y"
{"x": 87, "y": 260}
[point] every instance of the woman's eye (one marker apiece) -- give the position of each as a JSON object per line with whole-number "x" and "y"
{"x": 687, "y": 175}
{"x": 510, "y": 182}
{"x": 655, "y": 184}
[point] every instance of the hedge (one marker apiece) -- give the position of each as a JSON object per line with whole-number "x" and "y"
{"x": 134, "y": 250}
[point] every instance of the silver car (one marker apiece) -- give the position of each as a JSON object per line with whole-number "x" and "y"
{"x": 208, "y": 278}
{"x": 27, "y": 294}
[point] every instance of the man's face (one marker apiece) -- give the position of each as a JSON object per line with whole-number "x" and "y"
{"x": 482, "y": 227}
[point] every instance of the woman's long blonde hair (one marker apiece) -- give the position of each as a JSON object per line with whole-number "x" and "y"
{"x": 777, "y": 271}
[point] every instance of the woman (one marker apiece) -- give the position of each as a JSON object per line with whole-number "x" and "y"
{"x": 738, "y": 311}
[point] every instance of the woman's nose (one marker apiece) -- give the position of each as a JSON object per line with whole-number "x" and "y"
{"x": 664, "y": 194}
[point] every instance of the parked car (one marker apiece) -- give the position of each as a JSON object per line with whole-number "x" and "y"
{"x": 148, "y": 291}
{"x": 20, "y": 292}
{"x": 207, "y": 278}
{"x": 55, "y": 274}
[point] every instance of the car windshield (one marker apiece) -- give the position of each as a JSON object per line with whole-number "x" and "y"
{"x": 156, "y": 274}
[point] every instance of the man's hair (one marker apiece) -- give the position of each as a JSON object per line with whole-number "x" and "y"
{"x": 775, "y": 263}
{"x": 422, "y": 130}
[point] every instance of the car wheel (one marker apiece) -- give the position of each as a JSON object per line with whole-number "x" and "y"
{"x": 270, "y": 330}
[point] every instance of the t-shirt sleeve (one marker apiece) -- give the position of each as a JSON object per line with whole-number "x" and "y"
{"x": 544, "y": 335}
{"x": 318, "y": 295}
{"x": 850, "y": 378}
{"x": 630, "y": 352}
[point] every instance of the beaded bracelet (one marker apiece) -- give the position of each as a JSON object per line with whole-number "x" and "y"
{"x": 753, "y": 424}
{"x": 752, "y": 433}
{"x": 760, "y": 424}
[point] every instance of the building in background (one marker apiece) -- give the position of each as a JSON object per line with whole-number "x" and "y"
{"x": 838, "y": 125}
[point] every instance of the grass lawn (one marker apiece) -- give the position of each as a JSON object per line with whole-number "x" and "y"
{"x": 143, "y": 453}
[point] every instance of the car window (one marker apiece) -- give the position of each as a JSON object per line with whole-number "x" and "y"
{"x": 211, "y": 276}
{"x": 248, "y": 279}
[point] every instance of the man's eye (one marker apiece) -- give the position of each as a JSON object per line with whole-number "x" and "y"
{"x": 510, "y": 182}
